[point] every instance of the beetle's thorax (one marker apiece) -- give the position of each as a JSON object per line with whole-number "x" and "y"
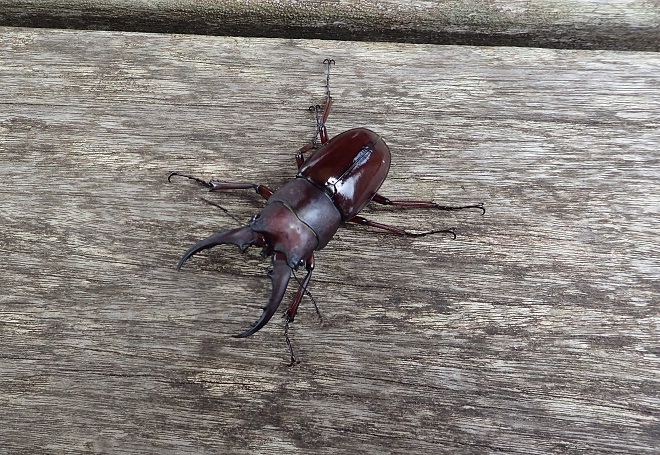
{"x": 298, "y": 219}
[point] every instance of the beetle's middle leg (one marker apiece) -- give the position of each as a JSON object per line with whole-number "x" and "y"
{"x": 219, "y": 185}
{"x": 379, "y": 199}
{"x": 398, "y": 231}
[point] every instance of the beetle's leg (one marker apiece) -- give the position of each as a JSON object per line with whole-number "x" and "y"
{"x": 398, "y": 231}
{"x": 290, "y": 313}
{"x": 294, "y": 359}
{"x": 323, "y": 132}
{"x": 219, "y": 185}
{"x": 329, "y": 62}
{"x": 379, "y": 199}
{"x": 300, "y": 159}
{"x": 200, "y": 181}
{"x": 321, "y": 119}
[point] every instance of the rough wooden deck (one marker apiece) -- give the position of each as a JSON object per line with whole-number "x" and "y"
{"x": 534, "y": 332}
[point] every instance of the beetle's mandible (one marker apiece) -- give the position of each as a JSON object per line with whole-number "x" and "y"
{"x": 331, "y": 187}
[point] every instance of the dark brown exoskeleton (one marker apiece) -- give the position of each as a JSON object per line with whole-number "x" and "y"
{"x": 331, "y": 187}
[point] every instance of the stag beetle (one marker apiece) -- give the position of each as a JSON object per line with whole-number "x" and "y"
{"x": 331, "y": 187}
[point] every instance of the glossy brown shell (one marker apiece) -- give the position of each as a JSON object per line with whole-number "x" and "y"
{"x": 349, "y": 168}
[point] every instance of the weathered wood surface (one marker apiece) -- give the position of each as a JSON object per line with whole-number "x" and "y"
{"x": 535, "y": 331}
{"x": 568, "y": 24}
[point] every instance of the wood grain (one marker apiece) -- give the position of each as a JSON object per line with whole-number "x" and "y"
{"x": 534, "y": 332}
{"x": 564, "y": 24}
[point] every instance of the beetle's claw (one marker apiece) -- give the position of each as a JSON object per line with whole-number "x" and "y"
{"x": 279, "y": 276}
{"x": 242, "y": 237}
{"x": 479, "y": 206}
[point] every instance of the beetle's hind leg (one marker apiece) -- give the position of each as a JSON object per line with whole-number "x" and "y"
{"x": 379, "y": 199}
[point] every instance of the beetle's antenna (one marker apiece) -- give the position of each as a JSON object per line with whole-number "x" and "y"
{"x": 227, "y": 212}
{"x": 294, "y": 359}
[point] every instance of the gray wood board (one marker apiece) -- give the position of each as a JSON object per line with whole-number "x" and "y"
{"x": 569, "y": 24}
{"x": 534, "y": 332}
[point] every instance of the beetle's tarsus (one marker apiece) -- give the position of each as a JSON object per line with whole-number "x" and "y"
{"x": 316, "y": 307}
{"x": 479, "y": 206}
{"x": 329, "y": 62}
{"x": 451, "y": 231}
{"x": 311, "y": 298}
{"x": 198, "y": 180}
{"x": 294, "y": 359}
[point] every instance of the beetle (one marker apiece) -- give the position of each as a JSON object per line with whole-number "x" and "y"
{"x": 331, "y": 187}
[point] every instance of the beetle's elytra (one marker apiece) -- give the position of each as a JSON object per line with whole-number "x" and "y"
{"x": 331, "y": 187}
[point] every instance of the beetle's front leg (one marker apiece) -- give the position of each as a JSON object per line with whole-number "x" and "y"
{"x": 290, "y": 313}
{"x": 219, "y": 185}
{"x": 398, "y": 231}
{"x": 379, "y": 199}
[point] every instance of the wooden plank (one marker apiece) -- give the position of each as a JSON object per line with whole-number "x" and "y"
{"x": 567, "y": 24}
{"x": 535, "y": 331}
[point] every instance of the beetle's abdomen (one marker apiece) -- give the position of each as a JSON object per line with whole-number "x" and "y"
{"x": 311, "y": 206}
{"x": 350, "y": 168}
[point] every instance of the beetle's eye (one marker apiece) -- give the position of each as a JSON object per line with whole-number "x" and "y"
{"x": 330, "y": 186}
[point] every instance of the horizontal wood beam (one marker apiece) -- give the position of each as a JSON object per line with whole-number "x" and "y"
{"x": 567, "y": 24}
